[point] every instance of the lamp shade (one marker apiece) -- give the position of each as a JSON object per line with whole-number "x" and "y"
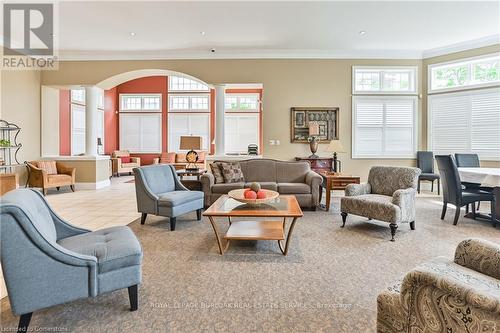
{"x": 313, "y": 128}
{"x": 335, "y": 146}
{"x": 190, "y": 143}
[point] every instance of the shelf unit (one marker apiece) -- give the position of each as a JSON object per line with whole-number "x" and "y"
{"x": 8, "y": 153}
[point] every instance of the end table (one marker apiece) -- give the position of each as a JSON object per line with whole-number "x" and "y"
{"x": 335, "y": 181}
{"x": 191, "y": 184}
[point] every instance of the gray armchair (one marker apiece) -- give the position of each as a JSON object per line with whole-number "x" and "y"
{"x": 388, "y": 196}
{"x": 160, "y": 192}
{"x": 46, "y": 261}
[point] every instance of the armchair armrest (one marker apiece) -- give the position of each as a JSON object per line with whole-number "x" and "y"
{"x": 405, "y": 199}
{"x": 313, "y": 179}
{"x": 178, "y": 185}
{"x": 61, "y": 169}
{"x": 117, "y": 163}
{"x": 37, "y": 177}
{"x": 136, "y": 160}
{"x": 480, "y": 255}
{"x": 207, "y": 181}
{"x": 353, "y": 190}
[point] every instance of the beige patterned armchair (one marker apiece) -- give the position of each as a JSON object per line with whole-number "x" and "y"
{"x": 446, "y": 296}
{"x": 388, "y": 196}
{"x": 122, "y": 162}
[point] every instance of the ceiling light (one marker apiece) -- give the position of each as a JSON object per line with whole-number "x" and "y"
{"x": 202, "y": 33}
{"x": 362, "y": 33}
{"x": 132, "y": 33}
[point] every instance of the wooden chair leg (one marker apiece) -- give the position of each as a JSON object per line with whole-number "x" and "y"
{"x": 432, "y": 186}
{"x": 493, "y": 212}
{"x": 457, "y": 215}
{"x": 412, "y": 225}
{"x": 344, "y": 218}
{"x": 198, "y": 214}
{"x": 132, "y": 296}
{"x": 172, "y": 223}
{"x": 143, "y": 218}
{"x": 394, "y": 227}
{"x": 439, "y": 186}
{"x": 443, "y": 212}
{"x": 418, "y": 186}
{"x": 24, "y": 322}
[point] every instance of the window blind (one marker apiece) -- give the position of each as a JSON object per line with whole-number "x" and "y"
{"x": 140, "y": 133}
{"x": 180, "y": 124}
{"x": 77, "y": 129}
{"x": 384, "y": 127}
{"x": 465, "y": 122}
{"x": 240, "y": 131}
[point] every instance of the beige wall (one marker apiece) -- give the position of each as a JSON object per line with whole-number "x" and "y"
{"x": 287, "y": 83}
{"x": 50, "y": 121}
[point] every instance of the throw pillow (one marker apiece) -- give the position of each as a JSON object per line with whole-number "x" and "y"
{"x": 167, "y": 158}
{"x": 232, "y": 172}
{"x": 49, "y": 167}
{"x": 216, "y": 171}
{"x": 125, "y": 159}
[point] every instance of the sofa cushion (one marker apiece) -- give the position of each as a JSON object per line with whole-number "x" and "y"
{"x": 50, "y": 167}
{"x": 293, "y": 188}
{"x": 217, "y": 172}
{"x": 226, "y": 187}
{"x": 386, "y": 180}
{"x": 232, "y": 172}
{"x": 125, "y": 159}
{"x": 120, "y": 153}
{"x": 265, "y": 185}
{"x": 177, "y": 198}
{"x": 180, "y": 158}
{"x": 259, "y": 170}
{"x": 292, "y": 172}
{"x": 376, "y": 206}
{"x": 59, "y": 179}
{"x": 167, "y": 158}
{"x": 114, "y": 247}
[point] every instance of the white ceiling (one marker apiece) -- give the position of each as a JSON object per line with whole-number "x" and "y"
{"x": 101, "y": 30}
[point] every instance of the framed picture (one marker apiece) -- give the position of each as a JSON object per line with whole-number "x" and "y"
{"x": 320, "y": 122}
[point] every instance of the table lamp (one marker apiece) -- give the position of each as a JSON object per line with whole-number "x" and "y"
{"x": 336, "y": 147}
{"x": 313, "y": 138}
{"x": 191, "y": 143}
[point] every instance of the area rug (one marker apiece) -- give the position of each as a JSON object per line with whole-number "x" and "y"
{"x": 329, "y": 281}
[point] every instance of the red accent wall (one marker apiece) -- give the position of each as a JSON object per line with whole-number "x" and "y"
{"x": 64, "y": 123}
{"x": 110, "y": 121}
{"x": 147, "y": 85}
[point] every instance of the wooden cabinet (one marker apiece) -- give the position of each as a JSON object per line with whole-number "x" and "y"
{"x": 318, "y": 164}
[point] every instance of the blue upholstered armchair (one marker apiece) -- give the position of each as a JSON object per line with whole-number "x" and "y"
{"x": 160, "y": 192}
{"x": 46, "y": 261}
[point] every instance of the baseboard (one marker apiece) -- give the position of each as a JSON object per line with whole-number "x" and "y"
{"x": 93, "y": 186}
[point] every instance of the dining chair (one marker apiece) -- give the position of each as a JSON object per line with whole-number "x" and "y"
{"x": 425, "y": 162}
{"x": 453, "y": 192}
{"x": 468, "y": 161}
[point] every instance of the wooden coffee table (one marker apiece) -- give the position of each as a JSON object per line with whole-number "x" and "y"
{"x": 285, "y": 206}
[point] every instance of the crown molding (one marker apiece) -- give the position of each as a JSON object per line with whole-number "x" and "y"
{"x": 463, "y": 46}
{"x": 276, "y": 54}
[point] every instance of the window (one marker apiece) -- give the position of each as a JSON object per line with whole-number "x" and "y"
{"x": 380, "y": 80}
{"x": 384, "y": 127}
{"x": 188, "y": 103}
{"x": 465, "y": 122}
{"x": 78, "y": 96}
{"x": 140, "y": 123}
{"x": 143, "y": 102}
{"x": 180, "y": 124}
{"x": 77, "y": 129}
{"x": 473, "y": 72}
{"x": 242, "y": 122}
{"x": 177, "y": 83}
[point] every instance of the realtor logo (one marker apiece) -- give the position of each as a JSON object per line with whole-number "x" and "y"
{"x": 29, "y": 31}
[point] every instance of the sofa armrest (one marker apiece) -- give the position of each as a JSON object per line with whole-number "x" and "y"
{"x": 116, "y": 163}
{"x": 480, "y": 255}
{"x": 405, "y": 199}
{"x": 353, "y": 190}
{"x": 136, "y": 160}
{"x": 207, "y": 181}
{"x": 313, "y": 179}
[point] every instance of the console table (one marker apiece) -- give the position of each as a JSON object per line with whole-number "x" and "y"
{"x": 319, "y": 163}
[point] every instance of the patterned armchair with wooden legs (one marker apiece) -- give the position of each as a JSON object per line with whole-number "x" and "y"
{"x": 122, "y": 162}
{"x": 389, "y": 196}
{"x": 50, "y": 174}
{"x": 441, "y": 295}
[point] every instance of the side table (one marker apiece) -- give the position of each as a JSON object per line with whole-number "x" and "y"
{"x": 335, "y": 181}
{"x": 191, "y": 184}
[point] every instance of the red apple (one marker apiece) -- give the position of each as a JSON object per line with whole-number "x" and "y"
{"x": 250, "y": 195}
{"x": 261, "y": 194}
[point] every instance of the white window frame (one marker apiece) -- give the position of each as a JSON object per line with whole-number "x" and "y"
{"x": 238, "y": 96}
{"x": 76, "y": 101}
{"x": 455, "y": 93}
{"x": 141, "y": 109}
{"x": 190, "y": 109}
{"x": 415, "y": 128}
{"x": 170, "y": 89}
{"x": 469, "y": 61}
{"x": 382, "y": 69}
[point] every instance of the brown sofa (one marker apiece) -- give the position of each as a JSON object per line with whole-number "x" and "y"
{"x": 118, "y": 166}
{"x": 178, "y": 160}
{"x": 294, "y": 178}
{"x": 50, "y": 174}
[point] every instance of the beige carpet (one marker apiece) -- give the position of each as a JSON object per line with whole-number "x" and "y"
{"x": 328, "y": 283}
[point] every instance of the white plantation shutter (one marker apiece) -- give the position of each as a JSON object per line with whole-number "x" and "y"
{"x": 180, "y": 124}
{"x": 384, "y": 126}
{"x": 77, "y": 129}
{"x": 465, "y": 122}
{"x": 140, "y": 133}
{"x": 240, "y": 131}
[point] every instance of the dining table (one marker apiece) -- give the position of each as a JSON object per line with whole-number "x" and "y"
{"x": 487, "y": 177}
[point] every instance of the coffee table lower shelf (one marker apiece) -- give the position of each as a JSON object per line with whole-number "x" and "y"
{"x": 256, "y": 230}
